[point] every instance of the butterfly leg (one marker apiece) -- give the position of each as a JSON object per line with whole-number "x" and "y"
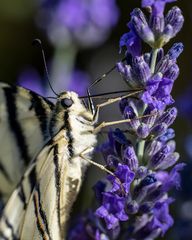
{"x": 110, "y": 101}
{"x": 100, "y": 166}
{"x": 83, "y": 155}
{"x": 106, "y": 124}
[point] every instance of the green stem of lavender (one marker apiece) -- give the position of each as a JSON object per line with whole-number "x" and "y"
{"x": 141, "y": 143}
{"x": 63, "y": 65}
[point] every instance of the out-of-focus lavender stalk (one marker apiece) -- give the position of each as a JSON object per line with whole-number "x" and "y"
{"x": 144, "y": 160}
{"x": 71, "y": 25}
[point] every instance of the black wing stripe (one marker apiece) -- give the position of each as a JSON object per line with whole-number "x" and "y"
{"x": 2, "y": 236}
{"x": 69, "y": 134}
{"x": 22, "y": 196}
{"x": 32, "y": 179}
{"x": 10, "y": 96}
{"x": 11, "y": 227}
{"x": 41, "y": 113}
{"x": 42, "y": 223}
{"x": 57, "y": 181}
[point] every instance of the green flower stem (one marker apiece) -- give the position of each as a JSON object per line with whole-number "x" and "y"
{"x": 62, "y": 66}
{"x": 141, "y": 142}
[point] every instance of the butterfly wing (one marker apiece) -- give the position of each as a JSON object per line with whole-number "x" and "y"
{"x": 40, "y": 206}
{"x": 24, "y": 118}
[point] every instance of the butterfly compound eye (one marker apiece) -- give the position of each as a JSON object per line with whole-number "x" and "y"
{"x": 66, "y": 102}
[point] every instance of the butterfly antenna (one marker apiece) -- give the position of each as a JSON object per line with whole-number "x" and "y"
{"x": 97, "y": 80}
{"x": 37, "y": 42}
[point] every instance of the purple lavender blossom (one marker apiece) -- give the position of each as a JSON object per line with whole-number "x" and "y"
{"x": 157, "y": 30}
{"x": 85, "y": 23}
{"x": 134, "y": 202}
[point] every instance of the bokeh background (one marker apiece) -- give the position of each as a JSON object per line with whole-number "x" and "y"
{"x": 77, "y": 57}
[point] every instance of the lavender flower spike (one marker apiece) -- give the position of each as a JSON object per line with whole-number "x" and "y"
{"x": 134, "y": 204}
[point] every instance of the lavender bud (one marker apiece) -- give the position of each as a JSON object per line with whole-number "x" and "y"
{"x": 120, "y": 67}
{"x": 173, "y": 72}
{"x": 143, "y": 130}
{"x": 164, "y": 64}
{"x": 161, "y": 156}
{"x": 132, "y": 207}
{"x": 172, "y": 145}
{"x": 141, "y": 26}
{"x": 157, "y": 24}
{"x": 169, "y": 161}
{"x": 130, "y": 114}
{"x": 167, "y": 33}
{"x": 130, "y": 158}
{"x": 127, "y": 73}
{"x": 141, "y": 172}
{"x": 150, "y": 120}
{"x": 159, "y": 129}
{"x": 168, "y": 117}
{"x": 170, "y": 134}
{"x": 147, "y": 185}
{"x": 175, "y": 51}
{"x": 141, "y": 70}
{"x": 153, "y": 148}
{"x": 175, "y": 19}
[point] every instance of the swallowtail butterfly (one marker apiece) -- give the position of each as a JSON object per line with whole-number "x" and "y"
{"x": 45, "y": 149}
{"x": 48, "y": 144}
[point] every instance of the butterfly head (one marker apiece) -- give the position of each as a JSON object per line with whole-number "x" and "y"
{"x": 70, "y": 101}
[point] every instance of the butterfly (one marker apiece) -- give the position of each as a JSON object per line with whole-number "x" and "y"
{"x": 56, "y": 135}
{"x": 45, "y": 150}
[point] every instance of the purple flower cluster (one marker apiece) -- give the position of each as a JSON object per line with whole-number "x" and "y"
{"x": 85, "y": 22}
{"x": 134, "y": 203}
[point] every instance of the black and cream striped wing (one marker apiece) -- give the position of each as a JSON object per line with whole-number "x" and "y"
{"x": 39, "y": 207}
{"x": 24, "y": 118}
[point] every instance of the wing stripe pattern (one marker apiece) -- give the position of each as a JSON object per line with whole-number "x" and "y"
{"x": 3, "y": 237}
{"x": 69, "y": 135}
{"x": 22, "y": 196}
{"x": 40, "y": 111}
{"x": 57, "y": 181}
{"x": 10, "y": 96}
{"x": 41, "y": 218}
{"x": 32, "y": 178}
{"x": 9, "y": 225}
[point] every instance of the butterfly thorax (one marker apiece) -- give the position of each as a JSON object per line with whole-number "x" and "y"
{"x": 76, "y": 121}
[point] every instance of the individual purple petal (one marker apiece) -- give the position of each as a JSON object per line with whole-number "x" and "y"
{"x": 162, "y": 218}
{"x": 130, "y": 158}
{"x": 125, "y": 175}
{"x": 157, "y": 6}
{"x": 172, "y": 179}
{"x": 112, "y": 210}
{"x": 132, "y": 42}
